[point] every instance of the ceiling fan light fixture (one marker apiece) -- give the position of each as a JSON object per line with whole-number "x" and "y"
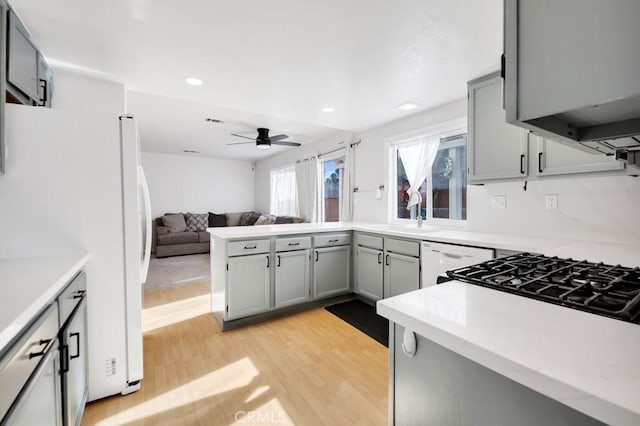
{"x": 263, "y": 145}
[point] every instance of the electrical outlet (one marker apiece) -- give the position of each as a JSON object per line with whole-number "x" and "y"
{"x": 499, "y": 202}
{"x": 551, "y": 201}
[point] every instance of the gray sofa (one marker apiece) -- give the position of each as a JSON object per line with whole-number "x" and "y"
{"x": 178, "y": 243}
{"x": 167, "y": 243}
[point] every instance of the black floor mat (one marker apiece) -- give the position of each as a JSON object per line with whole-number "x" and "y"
{"x": 364, "y": 318}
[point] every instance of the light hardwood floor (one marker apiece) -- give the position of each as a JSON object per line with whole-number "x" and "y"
{"x": 309, "y": 368}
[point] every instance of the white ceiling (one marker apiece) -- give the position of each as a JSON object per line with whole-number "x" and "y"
{"x": 279, "y": 58}
{"x": 169, "y": 125}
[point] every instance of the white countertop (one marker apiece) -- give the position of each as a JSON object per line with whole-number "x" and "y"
{"x": 624, "y": 254}
{"x": 28, "y": 285}
{"x": 586, "y": 361}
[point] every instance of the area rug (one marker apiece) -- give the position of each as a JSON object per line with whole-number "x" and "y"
{"x": 364, "y": 318}
{"x": 178, "y": 270}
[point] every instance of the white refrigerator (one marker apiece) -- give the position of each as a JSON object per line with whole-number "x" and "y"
{"x": 73, "y": 182}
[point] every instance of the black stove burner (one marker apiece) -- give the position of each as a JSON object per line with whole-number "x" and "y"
{"x": 613, "y": 291}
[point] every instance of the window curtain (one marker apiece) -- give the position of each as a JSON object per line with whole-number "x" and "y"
{"x": 417, "y": 159}
{"x": 345, "y": 200}
{"x": 307, "y": 189}
{"x": 284, "y": 197}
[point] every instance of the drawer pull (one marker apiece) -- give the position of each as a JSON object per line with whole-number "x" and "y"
{"x": 333, "y": 241}
{"x": 250, "y": 247}
{"x": 294, "y": 244}
{"x": 43, "y": 342}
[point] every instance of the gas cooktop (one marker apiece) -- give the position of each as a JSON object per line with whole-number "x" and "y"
{"x": 613, "y": 291}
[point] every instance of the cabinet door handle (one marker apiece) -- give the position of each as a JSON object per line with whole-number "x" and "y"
{"x": 77, "y": 336}
{"x": 380, "y": 258}
{"x": 79, "y": 294}
{"x": 386, "y": 262}
{"x": 294, "y": 244}
{"x": 521, "y": 163}
{"x": 540, "y": 162}
{"x": 43, "y": 86}
{"x": 64, "y": 358}
{"x": 316, "y": 259}
{"x": 278, "y": 257}
{"x": 250, "y": 247}
{"x": 45, "y": 343}
{"x": 268, "y": 261}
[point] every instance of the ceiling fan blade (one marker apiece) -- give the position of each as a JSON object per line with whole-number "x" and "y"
{"x": 284, "y": 143}
{"x": 246, "y": 137}
{"x": 242, "y": 143}
{"x": 278, "y": 137}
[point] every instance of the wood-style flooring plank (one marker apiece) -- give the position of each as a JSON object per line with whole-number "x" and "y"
{"x": 309, "y": 368}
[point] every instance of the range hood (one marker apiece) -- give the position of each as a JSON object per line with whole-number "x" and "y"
{"x": 571, "y": 71}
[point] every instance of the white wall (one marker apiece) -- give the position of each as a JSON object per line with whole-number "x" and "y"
{"x": 372, "y": 164}
{"x": 594, "y": 208}
{"x": 181, "y": 183}
{"x": 589, "y": 208}
{"x": 288, "y": 158}
{"x": 80, "y": 92}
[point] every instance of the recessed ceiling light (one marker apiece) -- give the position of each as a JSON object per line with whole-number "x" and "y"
{"x": 407, "y": 106}
{"x": 328, "y": 109}
{"x": 193, "y": 81}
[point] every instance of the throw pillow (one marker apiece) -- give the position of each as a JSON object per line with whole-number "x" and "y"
{"x": 265, "y": 219}
{"x": 175, "y": 222}
{"x": 216, "y": 220}
{"x": 233, "y": 219}
{"x": 197, "y": 222}
{"x": 249, "y": 218}
{"x": 283, "y": 220}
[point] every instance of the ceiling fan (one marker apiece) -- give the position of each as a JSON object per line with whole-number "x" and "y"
{"x": 263, "y": 141}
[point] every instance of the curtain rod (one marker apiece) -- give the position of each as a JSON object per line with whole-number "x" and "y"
{"x": 330, "y": 152}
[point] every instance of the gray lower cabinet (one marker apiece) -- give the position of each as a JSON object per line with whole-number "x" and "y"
{"x": 292, "y": 278}
{"x": 496, "y": 150}
{"x": 401, "y": 274}
{"x": 331, "y": 270}
{"x": 248, "y": 285}
{"x": 369, "y": 272}
{"x": 437, "y": 386}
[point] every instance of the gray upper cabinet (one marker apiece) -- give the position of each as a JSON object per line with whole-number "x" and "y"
{"x": 23, "y": 61}
{"x": 496, "y": 150}
{"x": 45, "y": 82}
{"x": 554, "y": 158}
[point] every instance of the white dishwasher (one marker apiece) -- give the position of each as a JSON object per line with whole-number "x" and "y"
{"x": 438, "y": 258}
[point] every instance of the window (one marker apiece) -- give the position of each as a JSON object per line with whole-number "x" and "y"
{"x": 284, "y": 200}
{"x": 444, "y": 190}
{"x": 332, "y": 181}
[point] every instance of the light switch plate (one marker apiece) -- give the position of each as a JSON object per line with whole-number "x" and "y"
{"x": 551, "y": 201}
{"x": 499, "y": 202}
